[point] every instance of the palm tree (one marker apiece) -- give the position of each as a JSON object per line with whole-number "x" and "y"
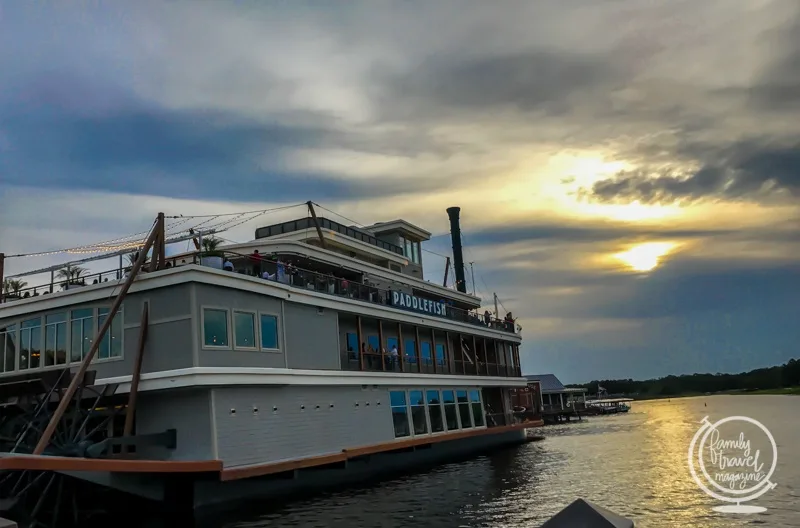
{"x": 210, "y": 245}
{"x": 13, "y": 286}
{"x": 71, "y": 274}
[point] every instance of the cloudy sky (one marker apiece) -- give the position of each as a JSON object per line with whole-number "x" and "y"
{"x": 629, "y": 171}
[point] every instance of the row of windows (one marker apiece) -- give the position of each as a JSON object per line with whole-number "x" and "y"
{"x": 409, "y": 348}
{"x": 58, "y": 339}
{"x": 251, "y": 330}
{"x": 431, "y": 411}
{"x": 411, "y": 249}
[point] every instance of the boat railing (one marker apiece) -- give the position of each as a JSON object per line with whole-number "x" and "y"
{"x": 294, "y": 276}
{"x": 331, "y": 284}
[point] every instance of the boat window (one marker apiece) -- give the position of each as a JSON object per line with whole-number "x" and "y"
{"x": 269, "y": 332}
{"x": 450, "y": 411}
{"x": 415, "y": 252}
{"x": 418, "y": 416}
{"x": 352, "y": 342}
{"x": 373, "y": 342}
{"x": 244, "y": 330}
{"x": 410, "y": 350}
{"x": 390, "y": 343}
{"x": 111, "y": 344}
{"x": 435, "y": 410}
{"x": 8, "y": 348}
{"x": 30, "y": 337}
{"x": 425, "y": 352}
{"x": 82, "y": 331}
{"x": 215, "y": 328}
{"x": 55, "y": 339}
{"x": 463, "y": 409}
{"x": 440, "y": 354}
{"x": 477, "y": 407}
{"x": 399, "y": 413}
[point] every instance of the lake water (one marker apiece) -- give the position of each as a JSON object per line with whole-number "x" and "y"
{"x": 634, "y": 464}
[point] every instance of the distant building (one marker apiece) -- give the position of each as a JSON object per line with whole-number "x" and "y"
{"x": 555, "y": 396}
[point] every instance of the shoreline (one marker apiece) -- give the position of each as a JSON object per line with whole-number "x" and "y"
{"x": 786, "y": 391}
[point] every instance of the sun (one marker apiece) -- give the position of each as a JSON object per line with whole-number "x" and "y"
{"x": 646, "y": 256}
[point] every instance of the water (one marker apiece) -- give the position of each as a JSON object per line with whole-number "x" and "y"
{"x": 634, "y": 464}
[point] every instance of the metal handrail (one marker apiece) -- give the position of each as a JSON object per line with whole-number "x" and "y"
{"x": 321, "y": 282}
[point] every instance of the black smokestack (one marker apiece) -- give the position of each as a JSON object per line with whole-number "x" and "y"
{"x": 458, "y": 255}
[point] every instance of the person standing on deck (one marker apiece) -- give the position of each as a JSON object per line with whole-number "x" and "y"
{"x": 393, "y": 357}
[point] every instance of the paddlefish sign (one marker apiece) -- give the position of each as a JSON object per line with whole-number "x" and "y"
{"x": 410, "y": 302}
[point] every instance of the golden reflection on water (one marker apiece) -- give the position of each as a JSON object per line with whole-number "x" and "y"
{"x": 633, "y": 464}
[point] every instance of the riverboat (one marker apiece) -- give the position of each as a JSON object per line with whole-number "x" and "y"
{"x": 315, "y": 354}
{"x": 610, "y": 405}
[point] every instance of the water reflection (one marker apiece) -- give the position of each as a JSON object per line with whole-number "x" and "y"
{"x": 635, "y": 464}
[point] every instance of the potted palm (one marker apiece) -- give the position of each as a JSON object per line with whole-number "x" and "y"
{"x": 12, "y": 287}
{"x": 210, "y": 256}
{"x": 72, "y": 275}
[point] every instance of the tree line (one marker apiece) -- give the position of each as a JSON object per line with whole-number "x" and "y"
{"x": 786, "y": 375}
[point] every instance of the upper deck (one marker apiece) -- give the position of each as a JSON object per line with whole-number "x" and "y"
{"x": 278, "y": 303}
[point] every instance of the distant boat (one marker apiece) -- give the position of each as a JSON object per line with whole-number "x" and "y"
{"x": 610, "y": 405}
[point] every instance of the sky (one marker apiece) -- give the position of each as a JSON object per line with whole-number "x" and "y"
{"x": 628, "y": 171}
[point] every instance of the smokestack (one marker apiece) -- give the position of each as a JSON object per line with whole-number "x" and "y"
{"x": 458, "y": 256}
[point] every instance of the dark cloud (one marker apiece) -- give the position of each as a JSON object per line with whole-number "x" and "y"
{"x": 746, "y": 170}
{"x": 568, "y": 234}
{"x": 132, "y": 147}
{"x": 536, "y": 80}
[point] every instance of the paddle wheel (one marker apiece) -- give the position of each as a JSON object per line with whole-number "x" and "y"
{"x": 87, "y": 429}
{"x": 53, "y": 417}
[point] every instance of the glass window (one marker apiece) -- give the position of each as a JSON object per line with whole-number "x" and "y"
{"x": 435, "y": 410}
{"x": 410, "y": 350}
{"x": 82, "y": 330}
{"x": 373, "y": 342}
{"x": 418, "y": 417}
{"x": 399, "y": 413}
{"x": 440, "y": 354}
{"x": 30, "y": 349}
{"x": 8, "y": 348}
{"x": 55, "y": 339}
{"x": 269, "y": 332}
{"x": 111, "y": 343}
{"x": 415, "y": 252}
{"x": 390, "y": 343}
{"x": 463, "y": 409}
{"x": 244, "y": 330}
{"x": 425, "y": 351}
{"x": 352, "y": 343}
{"x": 477, "y": 407}
{"x": 408, "y": 249}
{"x": 215, "y": 328}
{"x": 450, "y": 411}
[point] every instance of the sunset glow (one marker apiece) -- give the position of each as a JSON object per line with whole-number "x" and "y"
{"x": 645, "y": 257}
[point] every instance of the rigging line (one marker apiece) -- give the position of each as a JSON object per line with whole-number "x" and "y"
{"x": 359, "y": 224}
{"x": 279, "y": 208}
{"x": 75, "y": 249}
{"x": 480, "y": 275}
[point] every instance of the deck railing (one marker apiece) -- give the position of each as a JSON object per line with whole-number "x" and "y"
{"x": 377, "y": 362}
{"x": 294, "y": 276}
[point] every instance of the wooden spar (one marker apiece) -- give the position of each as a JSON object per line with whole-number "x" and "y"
{"x": 382, "y": 345}
{"x": 360, "y": 344}
{"x": 44, "y": 441}
{"x": 433, "y": 348}
{"x": 2, "y": 270}
{"x": 137, "y": 371}
{"x": 419, "y": 349}
{"x": 157, "y": 261}
{"x": 310, "y": 205}
{"x": 446, "y": 270}
{"x": 400, "y": 346}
